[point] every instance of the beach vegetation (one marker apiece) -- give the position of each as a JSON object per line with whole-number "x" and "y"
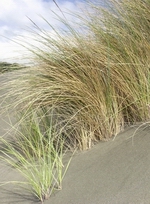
{"x": 36, "y": 151}
{"x": 88, "y": 83}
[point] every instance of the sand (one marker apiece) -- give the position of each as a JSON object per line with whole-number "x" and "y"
{"x": 114, "y": 172}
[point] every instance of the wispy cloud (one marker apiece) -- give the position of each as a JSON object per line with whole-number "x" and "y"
{"x": 14, "y": 21}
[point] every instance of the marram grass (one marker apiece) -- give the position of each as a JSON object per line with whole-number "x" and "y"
{"x": 96, "y": 81}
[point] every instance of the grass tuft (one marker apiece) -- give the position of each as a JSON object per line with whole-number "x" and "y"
{"x": 37, "y": 153}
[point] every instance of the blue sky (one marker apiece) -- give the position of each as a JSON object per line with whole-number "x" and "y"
{"x": 14, "y": 22}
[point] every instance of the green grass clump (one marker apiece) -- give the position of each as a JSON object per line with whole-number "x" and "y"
{"x": 36, "y": 151}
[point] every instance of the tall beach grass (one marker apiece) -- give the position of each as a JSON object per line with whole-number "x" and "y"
{"x": 98, "y": 79}
{"x": 94, "y": 76}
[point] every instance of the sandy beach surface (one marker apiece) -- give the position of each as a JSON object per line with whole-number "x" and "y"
{"x": 113, "y": 172}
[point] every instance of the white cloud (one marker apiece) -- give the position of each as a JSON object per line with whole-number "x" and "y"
{"x": 14, "y": 22}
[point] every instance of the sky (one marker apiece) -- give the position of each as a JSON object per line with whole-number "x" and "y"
{"x": 15, "y": 23}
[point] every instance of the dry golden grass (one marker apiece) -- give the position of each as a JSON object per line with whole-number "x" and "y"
{"x": 97, "y": 82}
